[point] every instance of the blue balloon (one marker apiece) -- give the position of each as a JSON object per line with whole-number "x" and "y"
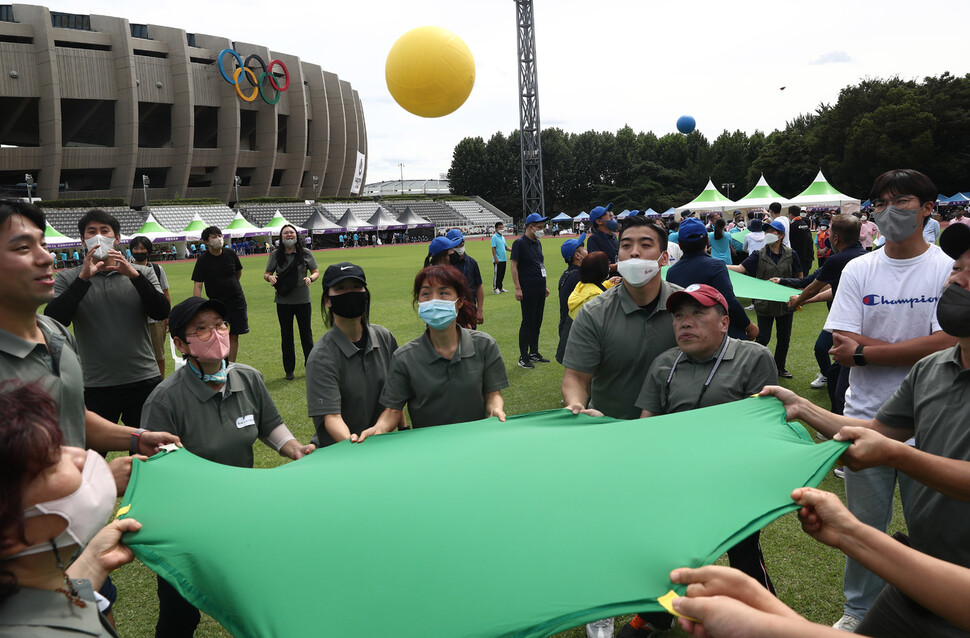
{"x": 685, "y": 124}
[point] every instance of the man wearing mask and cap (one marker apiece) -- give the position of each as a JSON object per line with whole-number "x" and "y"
{"x": 573, "y": 252}
{"x": 883, "y": 320}
{"x": 706, "y": 368}
{"x": 141, "y": 251}
{"x": 218, "y": 411}
{"x": 773, "y": 260}
{"x": 617, "y": 335}
{"x": 219, "y": 269}
{"x": 473, "y": 276}
{"x": 529, "y": 277}
{"x": 929, "y": 404}
{"x": 603, "y": 238}
{"x": 801, "y": 237}
{"x": 755, "y": 239}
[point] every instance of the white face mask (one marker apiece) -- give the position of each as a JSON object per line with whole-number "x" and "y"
{"x": 865, "y": 217}
{"x": 770, "y": 238}
{"x": 216, "y": 242}
{"x": 637, "y": 272}
{"x": 100, "y": 245}
{"x": 460, "y": 250}
{"x": 289, "y": 243}
{"x": 538, "y": 233}
{"x": 86, "y": 509}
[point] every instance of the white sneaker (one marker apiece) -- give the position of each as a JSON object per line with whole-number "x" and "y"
{"x": 496, "y": 291}
{"x": 751, "y": 307}
{"x": 820, "y": 382}
{"x": 600, "y": 629}
{"x": 847, "y": 623}
{"x": 502, "y": 290}
{"x": 840, "y": 473}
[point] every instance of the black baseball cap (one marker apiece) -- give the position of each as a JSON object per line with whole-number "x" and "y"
{"x": 955, "y": 240}
{"x": 182, "y": 313}
{"x": 336, "y": 273}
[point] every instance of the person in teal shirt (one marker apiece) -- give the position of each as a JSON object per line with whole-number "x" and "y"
{"x": 722, "y": 243}
{"x": 499, "y": 258}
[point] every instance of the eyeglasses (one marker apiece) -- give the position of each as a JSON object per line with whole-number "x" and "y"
{"x": 203, "y": 333}
{"x": 900, "y": 201}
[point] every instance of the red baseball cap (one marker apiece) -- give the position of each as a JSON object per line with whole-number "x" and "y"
{"x": 701, "y": 293}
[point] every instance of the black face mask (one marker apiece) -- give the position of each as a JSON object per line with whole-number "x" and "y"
{"x": 350, "y": 304}
{"x": 454, "y": 258}
{"x": 139, "y": 256}
{"x": 953, "y": 311}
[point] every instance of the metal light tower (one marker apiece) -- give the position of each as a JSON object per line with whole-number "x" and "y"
{"x": 533, "y": 198}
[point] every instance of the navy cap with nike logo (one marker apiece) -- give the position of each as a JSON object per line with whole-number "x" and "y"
{"x": 336, "y": 273}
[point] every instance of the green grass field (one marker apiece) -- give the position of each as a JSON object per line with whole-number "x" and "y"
{"x": 807, "y": 575}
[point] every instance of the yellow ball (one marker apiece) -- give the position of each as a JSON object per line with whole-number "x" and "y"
{"x": 430, "y": 72}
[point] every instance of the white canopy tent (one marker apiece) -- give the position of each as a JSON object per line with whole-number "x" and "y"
{"x": 761, "y": 196}
{"x": 821, "y": 193}
{"x": 708, "y": 199}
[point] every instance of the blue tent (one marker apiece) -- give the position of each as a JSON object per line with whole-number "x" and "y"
{"x": 562, "y": 217}
{"x": 669, "y": 212}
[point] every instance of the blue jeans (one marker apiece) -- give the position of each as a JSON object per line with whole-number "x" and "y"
{"x": 869, "y": 495}
{"x": 822, "y": 346}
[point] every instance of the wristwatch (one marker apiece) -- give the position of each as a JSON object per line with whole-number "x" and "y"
{"x": 133, "y": 443}
{"x": 858, "y": 358}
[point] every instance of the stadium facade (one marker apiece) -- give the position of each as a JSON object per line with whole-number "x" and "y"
{"x": 94, "y": 106}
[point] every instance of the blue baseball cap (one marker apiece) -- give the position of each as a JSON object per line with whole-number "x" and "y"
{"x": 570, "y": 245}
{"x": 598, "y": 212}
{"x": 755, "y": 225}
{"x": 455, "y": 233}
{"x": 441, "y": 244}
{"x": 535, "y": 218}
{"x": 777, "y": 225}
{"x": 691, "y": 229}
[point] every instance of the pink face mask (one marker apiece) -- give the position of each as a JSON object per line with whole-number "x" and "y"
{"x": 215, "y": 349}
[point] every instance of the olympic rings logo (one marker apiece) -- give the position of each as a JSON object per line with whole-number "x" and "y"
{"x": 256, "y": 82}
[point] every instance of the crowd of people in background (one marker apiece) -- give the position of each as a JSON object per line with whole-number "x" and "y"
{"x": 894, "y": 356}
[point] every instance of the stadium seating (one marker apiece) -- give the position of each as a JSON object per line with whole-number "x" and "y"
{"x": 175, "y": 218}
{"x": 474, "y": 213}
{"x": 65, "y": 220}
{"x": 440, "y": 215}
{"x": 363, "y": 210}
{"x": 260, "y": 214}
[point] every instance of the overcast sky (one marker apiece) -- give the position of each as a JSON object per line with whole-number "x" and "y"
{"x": 601, "y": 64}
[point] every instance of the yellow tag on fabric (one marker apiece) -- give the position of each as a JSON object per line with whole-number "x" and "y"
{"x": 667, "y": 602}
{"x": 123, "y": 511}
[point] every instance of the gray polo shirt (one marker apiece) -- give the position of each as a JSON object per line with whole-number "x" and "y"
{"x": 56, "y": 366}
{"x": 300, "y": 294}
{"x": 933, "y": 401}
{"x": 219, "y": 425}
{"x": 40, "y": 613}
{"x": 112, "y": 328}
{"x": 343, "y": 379}
{"x": 746, "y": 368}
{"x": 438, "y": 391}
{"x": 615, "y": 340}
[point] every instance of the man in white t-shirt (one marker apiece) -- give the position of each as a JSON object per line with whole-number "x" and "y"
{"x": 775, "y": 210}
{"x": 883, "y": 320}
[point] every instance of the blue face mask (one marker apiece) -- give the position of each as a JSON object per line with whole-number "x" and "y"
{"x": 613, "y": 225}
{"x": 437, "y": 313}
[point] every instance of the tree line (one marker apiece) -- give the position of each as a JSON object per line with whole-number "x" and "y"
{"x": 874, "y": 126}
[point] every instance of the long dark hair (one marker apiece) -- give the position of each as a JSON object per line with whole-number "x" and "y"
{"x": 719, "y": 228}
{"x": 451, "y": 277}
{"x": 32, "y": 442}
{"x": 281, "y": 249}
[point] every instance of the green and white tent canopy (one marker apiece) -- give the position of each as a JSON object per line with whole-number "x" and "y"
{"x": 709, "y": 199}
{"x": 240, "y": 227}
{"x": 156, "y": 232}
{"x": 195, "y": 227}
{"x": 821, "y": 193}
{"x": 56, "y": 239}
{"x": 760, "y": 196}
{"x": 277, "y": 222}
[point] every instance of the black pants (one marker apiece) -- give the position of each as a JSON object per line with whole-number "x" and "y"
{"x": 784, "y": 336}
{"x": 745, "y": 556}
{"x": 285, "y": 313}
{"x": 499, "y": 277}
{"x": 121, "y": 401}
{"x": 533, "y": 304}
{"x": 177, "y": 617}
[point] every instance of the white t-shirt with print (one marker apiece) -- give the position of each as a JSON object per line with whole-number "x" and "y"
{"x": 892, "y": 300}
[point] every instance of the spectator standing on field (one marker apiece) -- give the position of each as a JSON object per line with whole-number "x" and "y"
{"x": 529, "y": 277}
{"x": 141, "y": 252}
{"x": 219, "y": 270}
{"x": 499, "y": 258}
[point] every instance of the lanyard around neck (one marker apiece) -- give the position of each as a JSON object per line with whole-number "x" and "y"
{"x": 710, "y": 377}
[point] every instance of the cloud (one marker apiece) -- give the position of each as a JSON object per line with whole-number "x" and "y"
{"x": 833, "y": 57}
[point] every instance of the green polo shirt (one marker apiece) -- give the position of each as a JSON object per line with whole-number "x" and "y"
{"x": 42, "y": 613}
{"x": 55, "y": 364}
{"x": 218, "y": 425}
{"x": 438, "y": 391}
{"x": 300, "y": 294}
{"x": 933, "y": 402}
{"x": 112, "y": 328}
{"x": 346, "y": 380}
{"x": 615, "y": 340}
{"x": 746, "y": 368}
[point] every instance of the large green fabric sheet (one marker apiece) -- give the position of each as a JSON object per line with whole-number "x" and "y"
{"x": 748, "y": 287}
{"x": 522, "y": 528}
